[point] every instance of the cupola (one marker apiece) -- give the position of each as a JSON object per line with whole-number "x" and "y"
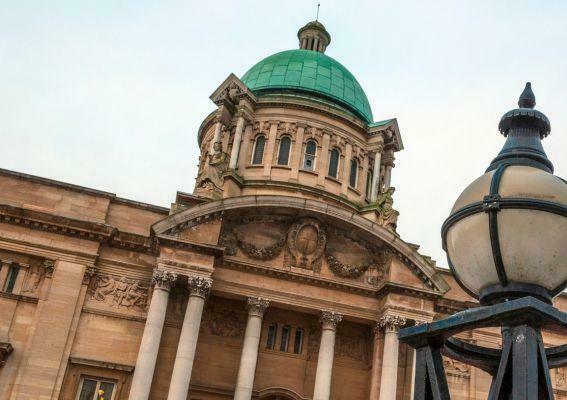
{"x": 314, "y": 36}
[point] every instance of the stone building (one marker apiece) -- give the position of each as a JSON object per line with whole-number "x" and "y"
{"x": 281, "y": 277}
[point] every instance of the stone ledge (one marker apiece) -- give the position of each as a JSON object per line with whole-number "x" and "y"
{"x": 101, "y": 364}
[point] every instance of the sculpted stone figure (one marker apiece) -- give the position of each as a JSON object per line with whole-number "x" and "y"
{"x": 387, "y": 216}
{"x": 210, "y": 176}
{"x": 119, "y": 293}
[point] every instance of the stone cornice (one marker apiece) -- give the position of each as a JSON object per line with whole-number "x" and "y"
{"x": 87, "y": 230}
{"x": 261, "y": 269}
{"x": 187, "y": 245}
{"x": 42, "y": 221}
{"x": 101, "y": 364}
{"x": 50, "y": 252}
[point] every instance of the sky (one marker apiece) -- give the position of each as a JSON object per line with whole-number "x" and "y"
{"x": 110, "y": 94}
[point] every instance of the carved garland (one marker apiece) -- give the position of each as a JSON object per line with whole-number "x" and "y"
{"x": 348, "y": 271}
{"x": 261, "y": 253}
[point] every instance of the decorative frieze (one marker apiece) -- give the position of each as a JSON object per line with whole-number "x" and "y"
{"x": 199, "y": 286}
{"x": 162, "y": 279}
{"x": 330, "y": 319}
{"x": 119, "y": 292}
{"x": 257, "y": 306}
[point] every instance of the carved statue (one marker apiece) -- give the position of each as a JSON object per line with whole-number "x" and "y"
{"x": 210, "y": 176}
{"x": 387, "y": 216}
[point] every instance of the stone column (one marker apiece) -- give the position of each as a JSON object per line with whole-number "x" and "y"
{"x": 147, "y": 355}
{"x": 322, "y": 165}
{"x": 376, "y": 174}
{"x": 388, "y": 381}
{"x": 329, "y": 322}
{"x": 244, "y": 156}
{"x": 199, "y": 289}
{"x": 389, "y": 164}
{"x": 236, "y": 142}
{"x": 216, "y": 137}
{"x": 297, "y": 151}
{"x": 346, "y": 169}
{"x": 269, "y": 149}
{"x": 376, "y": 362}
{"x": 249, "y": 357}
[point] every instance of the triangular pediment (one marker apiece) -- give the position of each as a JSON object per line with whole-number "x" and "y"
{"x": 231, "y": 90}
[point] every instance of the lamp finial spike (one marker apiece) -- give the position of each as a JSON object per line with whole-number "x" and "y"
{"x": 527, "y": 98}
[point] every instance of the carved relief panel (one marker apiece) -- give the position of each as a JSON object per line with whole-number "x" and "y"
{"x": 305, "y": 244}
{"x": 119, "y": 293}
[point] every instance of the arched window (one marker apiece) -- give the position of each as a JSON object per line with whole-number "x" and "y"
{"x": 284, "y": 344}
{"x": 353, "y": 173}
{"x": 283, "y": 153}
{"x": 334, "y": 163}
{"x": 258, "y": 153}
{"x": 298, "y": 341}
{"x": 310, "y": 153}
{"x": 272, "y": 332}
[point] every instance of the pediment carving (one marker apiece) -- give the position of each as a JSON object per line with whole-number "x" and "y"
{"x": 307, "y": 244}
{"x": 231, "y": 90}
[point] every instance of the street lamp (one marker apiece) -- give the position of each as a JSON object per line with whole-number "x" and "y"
{"x": 506, "y": 244}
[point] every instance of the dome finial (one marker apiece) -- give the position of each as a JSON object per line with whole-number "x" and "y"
{"x": 314, "y": 36}
{"x": 527, "y": 98}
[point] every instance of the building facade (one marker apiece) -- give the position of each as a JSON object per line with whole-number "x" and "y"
{"x": 281, "y": 277}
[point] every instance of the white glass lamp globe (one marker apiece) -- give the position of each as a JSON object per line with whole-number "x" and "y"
{"x": 506, "y": 236}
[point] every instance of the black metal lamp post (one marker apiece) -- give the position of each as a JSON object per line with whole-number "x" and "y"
{"x": 506, "y": 244}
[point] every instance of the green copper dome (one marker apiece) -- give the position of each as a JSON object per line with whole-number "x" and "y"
{"x": 310, "y": 72}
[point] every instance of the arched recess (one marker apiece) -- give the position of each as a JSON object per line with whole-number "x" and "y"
{"x": 175, "y": 223}
{"x": 277, "y": 393}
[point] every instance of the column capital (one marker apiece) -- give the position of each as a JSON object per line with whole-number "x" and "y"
{"x": 330, "y": 319}
{"x": 162, "y": 279}
{"x": 378, "y": 148}
{"x": 49, "y": 267}
{"x": 199, "y": 286}
{"x": 256, "y": 306}
{"x": 90, "y": 271}
{"x": 390, "y": 323}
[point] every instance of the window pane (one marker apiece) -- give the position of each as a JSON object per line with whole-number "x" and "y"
{"x": 272, "y": 330}
{"x": 298, "y": 342}
{"x": 259, "y": 150}
{"x": 311, "y": 148}
{"x": 283, "y": 156}
{"x": 353, "y": 173}
{"x": 285, "y": 338}
{"x": 334, "y": 163}
{"x": 88, "y": 390}
{"x": 11, "y": 278}
{"x": 105, "y": 391}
